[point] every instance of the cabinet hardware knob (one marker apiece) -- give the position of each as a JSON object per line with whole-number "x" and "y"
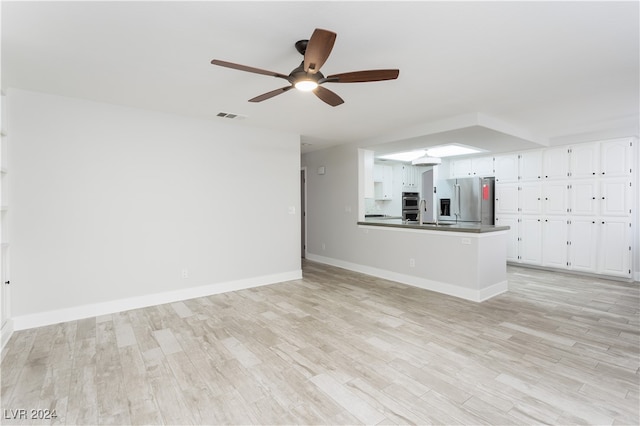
{"x": 603, "y": 198}
{"x": 7, "y": 282}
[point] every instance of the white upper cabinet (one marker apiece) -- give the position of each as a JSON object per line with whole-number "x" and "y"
{"x": 410, "y": 176}
{"x": 530, "y": 198}
{"x": 482, "y": 166}
{"x": 506, "y": 198}
{"x": 584, "y": 160}
{"x": 383, "y": 182}
{"x": 554, "y": 197}
{"x": 506, "y": 168}
{"x": 461, "y": 168}
{"x": 555, "y": 163}
{"x": 615, "y": 197}
{"x": 584, "y": 197}
{"x": 615, "y": 158}
{"x": 530, "y": 165}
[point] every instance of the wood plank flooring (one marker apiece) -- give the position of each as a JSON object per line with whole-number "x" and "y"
{"x": 339, "y": 347}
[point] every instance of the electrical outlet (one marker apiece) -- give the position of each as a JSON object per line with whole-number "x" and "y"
{"x": 412, "y": 263}
{"x": 324, "y": 246}
{"x": 185, "y": 273}
{"x": 466, "y": 241}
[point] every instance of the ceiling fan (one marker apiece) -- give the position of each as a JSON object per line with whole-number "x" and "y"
{"x": 307, "y": 76}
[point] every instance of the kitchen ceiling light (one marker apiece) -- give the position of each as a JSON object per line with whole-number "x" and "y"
{"x": 404, "y": 156}
{"x": 306, "y": 85}
{"x": 451, "y": 150}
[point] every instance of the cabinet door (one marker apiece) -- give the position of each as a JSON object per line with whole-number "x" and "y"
{"x": 583, "y": 244}
{"x": 461, "y": 168}
{"x": 506, "y": 168}
{"x": 584, "y": 197}
{"x": 614, "y": 197}
{"x": 409, "y": 176}
{"x": 530, "y": 240}
{"x": 554, "y": 242}
{"x": 614, "y": 249}
{"x": 378, "y": 173}
{"x": 506, "y": 198}
{"x": 584, "y": 160}
{"x": 555, "y": 163}
{"x": 482, "y": 166}
{"x": 513, "y": 235}
{"x": 615, "y": 158}
{"x": 530, "y": 200}
{"x": 531, "y": 165}
{"x": 5, "y": 305}
{"x": 554, "y": 198}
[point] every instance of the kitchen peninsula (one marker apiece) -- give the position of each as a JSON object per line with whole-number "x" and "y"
{"x": 462, "y": 260}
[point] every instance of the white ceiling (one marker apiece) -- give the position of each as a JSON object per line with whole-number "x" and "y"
{"x": 500, "y": 75}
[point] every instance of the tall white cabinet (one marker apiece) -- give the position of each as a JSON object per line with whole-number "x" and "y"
{"x": 569, "y": 207}
{"x": 5, "y": 289}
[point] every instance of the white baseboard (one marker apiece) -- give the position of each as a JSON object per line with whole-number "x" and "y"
{"x": 6, "y": 333}
{"x": 437, "y": 286}
{"x": 40, "y": 319}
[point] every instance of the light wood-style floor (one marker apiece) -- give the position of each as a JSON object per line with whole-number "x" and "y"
{"x": 338, "y": 347}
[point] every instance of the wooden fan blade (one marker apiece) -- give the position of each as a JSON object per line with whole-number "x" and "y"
{"x": 363, "y": 76}
{"x": 328, "y": 96}
{"x": 248, "y": 69}
{"x": 318, "y": 50}
{"x": 270, "y": 94}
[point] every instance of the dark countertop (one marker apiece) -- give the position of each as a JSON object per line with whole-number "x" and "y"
{"x": 451, "y": 227}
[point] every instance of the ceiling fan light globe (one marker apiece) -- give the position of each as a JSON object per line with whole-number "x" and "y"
{"x": 306, "y": 85}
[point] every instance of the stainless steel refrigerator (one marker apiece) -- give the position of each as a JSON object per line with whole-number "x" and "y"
{"x": 467, "y": 200}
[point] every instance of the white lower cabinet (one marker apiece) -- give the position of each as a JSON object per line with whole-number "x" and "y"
{"x": 583, "y": 248}
{"x": 513, "y": 236}
{"x": 531, "y": 240}
{"x": 614, "y": 252}
{"x": 554, "y": 242}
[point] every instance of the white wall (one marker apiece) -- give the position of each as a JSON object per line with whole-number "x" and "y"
{"x": 110, "y": 203}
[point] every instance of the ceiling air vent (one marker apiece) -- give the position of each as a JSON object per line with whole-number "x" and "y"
{"x": 231, "y": 115}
